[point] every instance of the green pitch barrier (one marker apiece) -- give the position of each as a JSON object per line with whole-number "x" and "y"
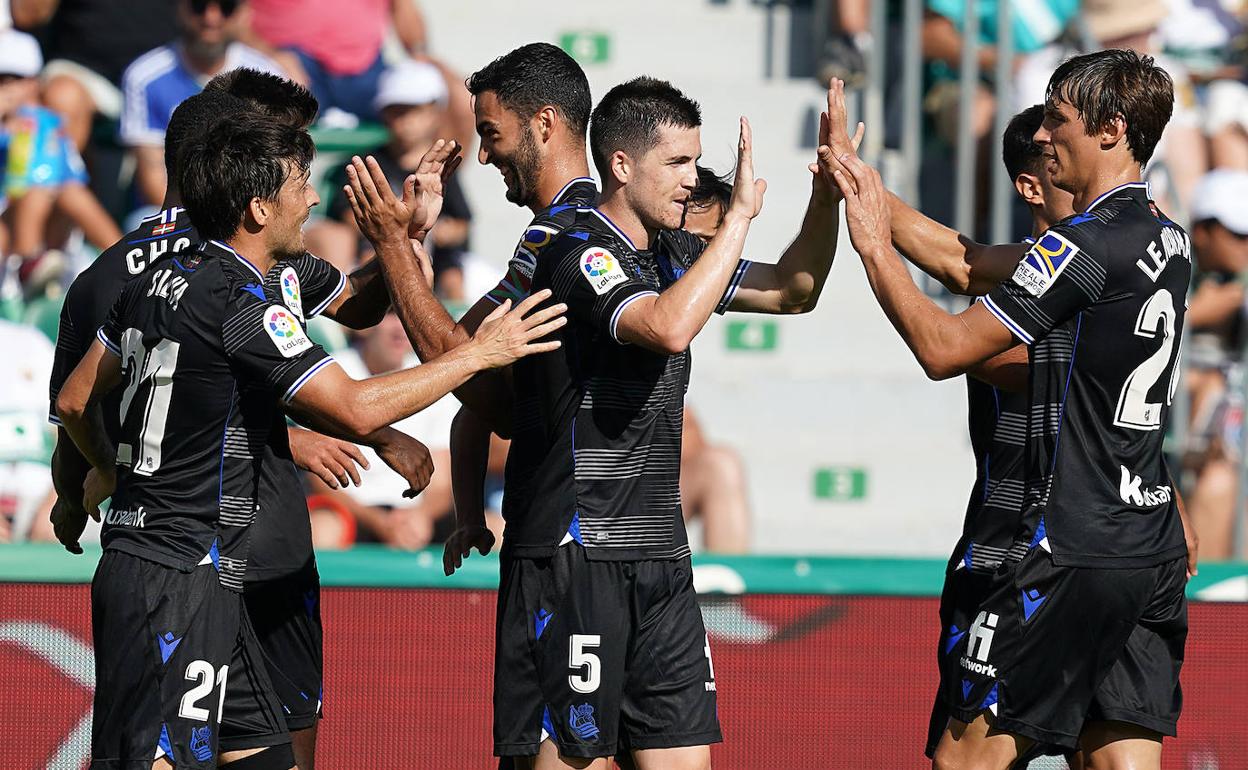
{"x": 379, "y": 567}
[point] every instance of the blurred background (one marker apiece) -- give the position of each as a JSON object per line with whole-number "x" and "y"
{"x": 813, "y": 443}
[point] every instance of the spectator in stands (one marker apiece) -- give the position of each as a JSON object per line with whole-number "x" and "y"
{"x": 88, "y": 44}
{"x": 411, "y": 99}
{"x": 842, "y": 40}
{"x": 377, "y": 506}
{"x": 157, "y": 82}
{"x": 26, "y": 493}
{"x": 42, "y": 177}
{"x": 1216, "y": 317}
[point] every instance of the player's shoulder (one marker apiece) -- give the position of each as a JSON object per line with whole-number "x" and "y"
{"x": 587, "y": 229}
{"x": 680, "y": 245}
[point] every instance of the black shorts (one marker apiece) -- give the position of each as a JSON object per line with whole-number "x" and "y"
{"x": 174, "y": 652}
{"x": 960, "y": 600}
{"x": 286, "y": 613}
{"x": 1053, "y": 647}
{"x": 601, "y": 657}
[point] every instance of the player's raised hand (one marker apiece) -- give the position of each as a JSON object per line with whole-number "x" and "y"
{"x": 332, "y": 461}
{"x": 506, "y": 334}
{"x": 747, "y": 192}
{"x": 834, "y": 140}
{"x": 381, "y": 216}
{"x": 68, "y": 522}
{"x": 425, "y": 190}
{"x": 96, "y": 488}
{"x": 410, "y": 459}
{"x": 460, "y": 544}
{"x": 866, "y": 204}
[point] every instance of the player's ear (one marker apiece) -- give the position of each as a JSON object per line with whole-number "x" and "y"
{"x": 545, "y": 121}
{"x": 258, "y": 211}
{"x": 621, "y": 166}
{"x": 1028, "y": 187}
{"x": 1113, "y": 131}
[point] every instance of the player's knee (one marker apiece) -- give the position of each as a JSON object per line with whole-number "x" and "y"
{"x": 271, "y": 758}
{"x": 952, "y": 756}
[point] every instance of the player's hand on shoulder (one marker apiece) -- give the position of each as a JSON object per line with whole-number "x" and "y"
{"x": 68, "y": 522}
{"x": 460, "y": 544}
{"x": 329, "y": 459}
{"x": 410, "y": 459}
{"x": 96, "y": 488}
{"x": 508, "y": 334}
{"x": 747, "y": 192}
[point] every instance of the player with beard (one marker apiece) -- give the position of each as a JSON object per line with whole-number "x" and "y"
{"x": 194, "y": 333}
{"x": 1080, "y": 639}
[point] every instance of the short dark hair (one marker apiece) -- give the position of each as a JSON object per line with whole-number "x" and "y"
{"x": 534, "y": 76}
{"x": 629, "y": 117}
{"x": 234, "y": 160}
{"x": 281, "y": 99}
{"x": 189, "y": 118}
{"x": 1019, "y": 150}
{"x": 1117, "y": 82}
{"x": 712, "y": 188}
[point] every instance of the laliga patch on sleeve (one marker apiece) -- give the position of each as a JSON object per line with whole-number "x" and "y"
{"x": 292, "y": 293}
{"x": 601, "y": 268}
{"x": 1041, "y": 265}
{"x": 284, "y": 329}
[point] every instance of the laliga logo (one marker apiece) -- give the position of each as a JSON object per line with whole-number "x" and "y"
{"x": 281, "y": 324}
{"x": 291, "y": 287}
{"x": 598, "y": 262}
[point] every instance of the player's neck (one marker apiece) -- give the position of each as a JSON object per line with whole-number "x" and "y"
{"x": 1102, "y": 181}
{"x": 557, "y": 171}
{"x": 173, "y": 197}
{"x": 252, "y": 249}
{"x": 615, "y": 207}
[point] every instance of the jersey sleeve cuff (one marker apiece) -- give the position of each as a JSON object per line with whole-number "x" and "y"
{"x": 109, "y": 344}
{"x": 54, "y": 420}
{"x": 738, "y": 275}
{"x": 619, "y": 310}
{"x": 305, "y": 377}
{"x": 1015, "y": 328}
{"x": 333, "y": 295}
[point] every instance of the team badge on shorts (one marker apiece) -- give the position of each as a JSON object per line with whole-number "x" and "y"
{"x": 291, "y": 294}
{"x": 283, "y": 328}
{"x": 1042, "y": 264}
{"x": 601, "y": 269}
{"x": 582, "y": 723}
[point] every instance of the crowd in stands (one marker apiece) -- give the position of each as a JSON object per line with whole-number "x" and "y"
{"x": 87, "y": 88}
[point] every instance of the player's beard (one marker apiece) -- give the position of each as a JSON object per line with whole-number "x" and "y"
{"x": 524, "y": 166}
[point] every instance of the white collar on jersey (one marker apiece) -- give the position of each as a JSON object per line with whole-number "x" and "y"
{"x": 568, "y": 186}
{"x": 1145, "y": 186}
{"x": 239, "y": 257}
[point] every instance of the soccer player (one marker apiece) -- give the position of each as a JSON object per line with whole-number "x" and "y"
{"x": 1079, "y": 642}
{"x": 189, "y": 339}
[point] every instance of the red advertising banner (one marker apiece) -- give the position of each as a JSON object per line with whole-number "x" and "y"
{"x": 803, "y": 681}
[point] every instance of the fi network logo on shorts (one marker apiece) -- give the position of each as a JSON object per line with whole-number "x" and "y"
{"x": 979, "y": 644}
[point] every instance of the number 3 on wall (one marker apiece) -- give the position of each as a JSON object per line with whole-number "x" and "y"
{"x": 1134, "y": 409}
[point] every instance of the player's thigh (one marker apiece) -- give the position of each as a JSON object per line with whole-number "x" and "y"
{"x": 679, "y": 758}
{"x": 549, "y": 758}
{"x": 978, "y": 746}
{"x": 252, "y": 716}
{"x": 670, "y": 696}
{"x": 1119, "y": 746}
{"x": 285, "y": 614}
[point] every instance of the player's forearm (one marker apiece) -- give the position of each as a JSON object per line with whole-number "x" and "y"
{"x": 488, "y": 395}
{"x": 368, "y": 300}
{"x": 317, "y": 424}
{"x": 86, "y": 427}
{"x": 803, "y": 268}
{"x": 931, "y": 334}
{"x": 679, "y": 313}
{"x": 470, "y": 454}
{"x": 430, "y": 329}
{"x": 69, "y": 471}
{"x": 379, "y": 401}
{"x": 935, "y": 249}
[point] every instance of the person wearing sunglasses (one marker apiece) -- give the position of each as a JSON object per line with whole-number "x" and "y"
{"x": 157, "y": 82}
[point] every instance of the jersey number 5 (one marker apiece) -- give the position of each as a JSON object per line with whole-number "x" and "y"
{"x": 1134, "y": 409}
{"x": 148, "y": 378}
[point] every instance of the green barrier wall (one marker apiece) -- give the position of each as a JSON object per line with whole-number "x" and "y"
{"x": 375, "y": 566}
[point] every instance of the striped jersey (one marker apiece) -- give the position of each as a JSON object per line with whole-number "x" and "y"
{"x": 595, "y": 454}
{"x": 194, "y": 333}
{"x": 1100, "y": 299}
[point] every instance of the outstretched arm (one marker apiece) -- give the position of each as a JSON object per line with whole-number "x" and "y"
{"x": 77, "y": 405}
{"x": 945, "y": 345}
{"x": 668, "y": 322}
{"x": 794, "y": 283}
